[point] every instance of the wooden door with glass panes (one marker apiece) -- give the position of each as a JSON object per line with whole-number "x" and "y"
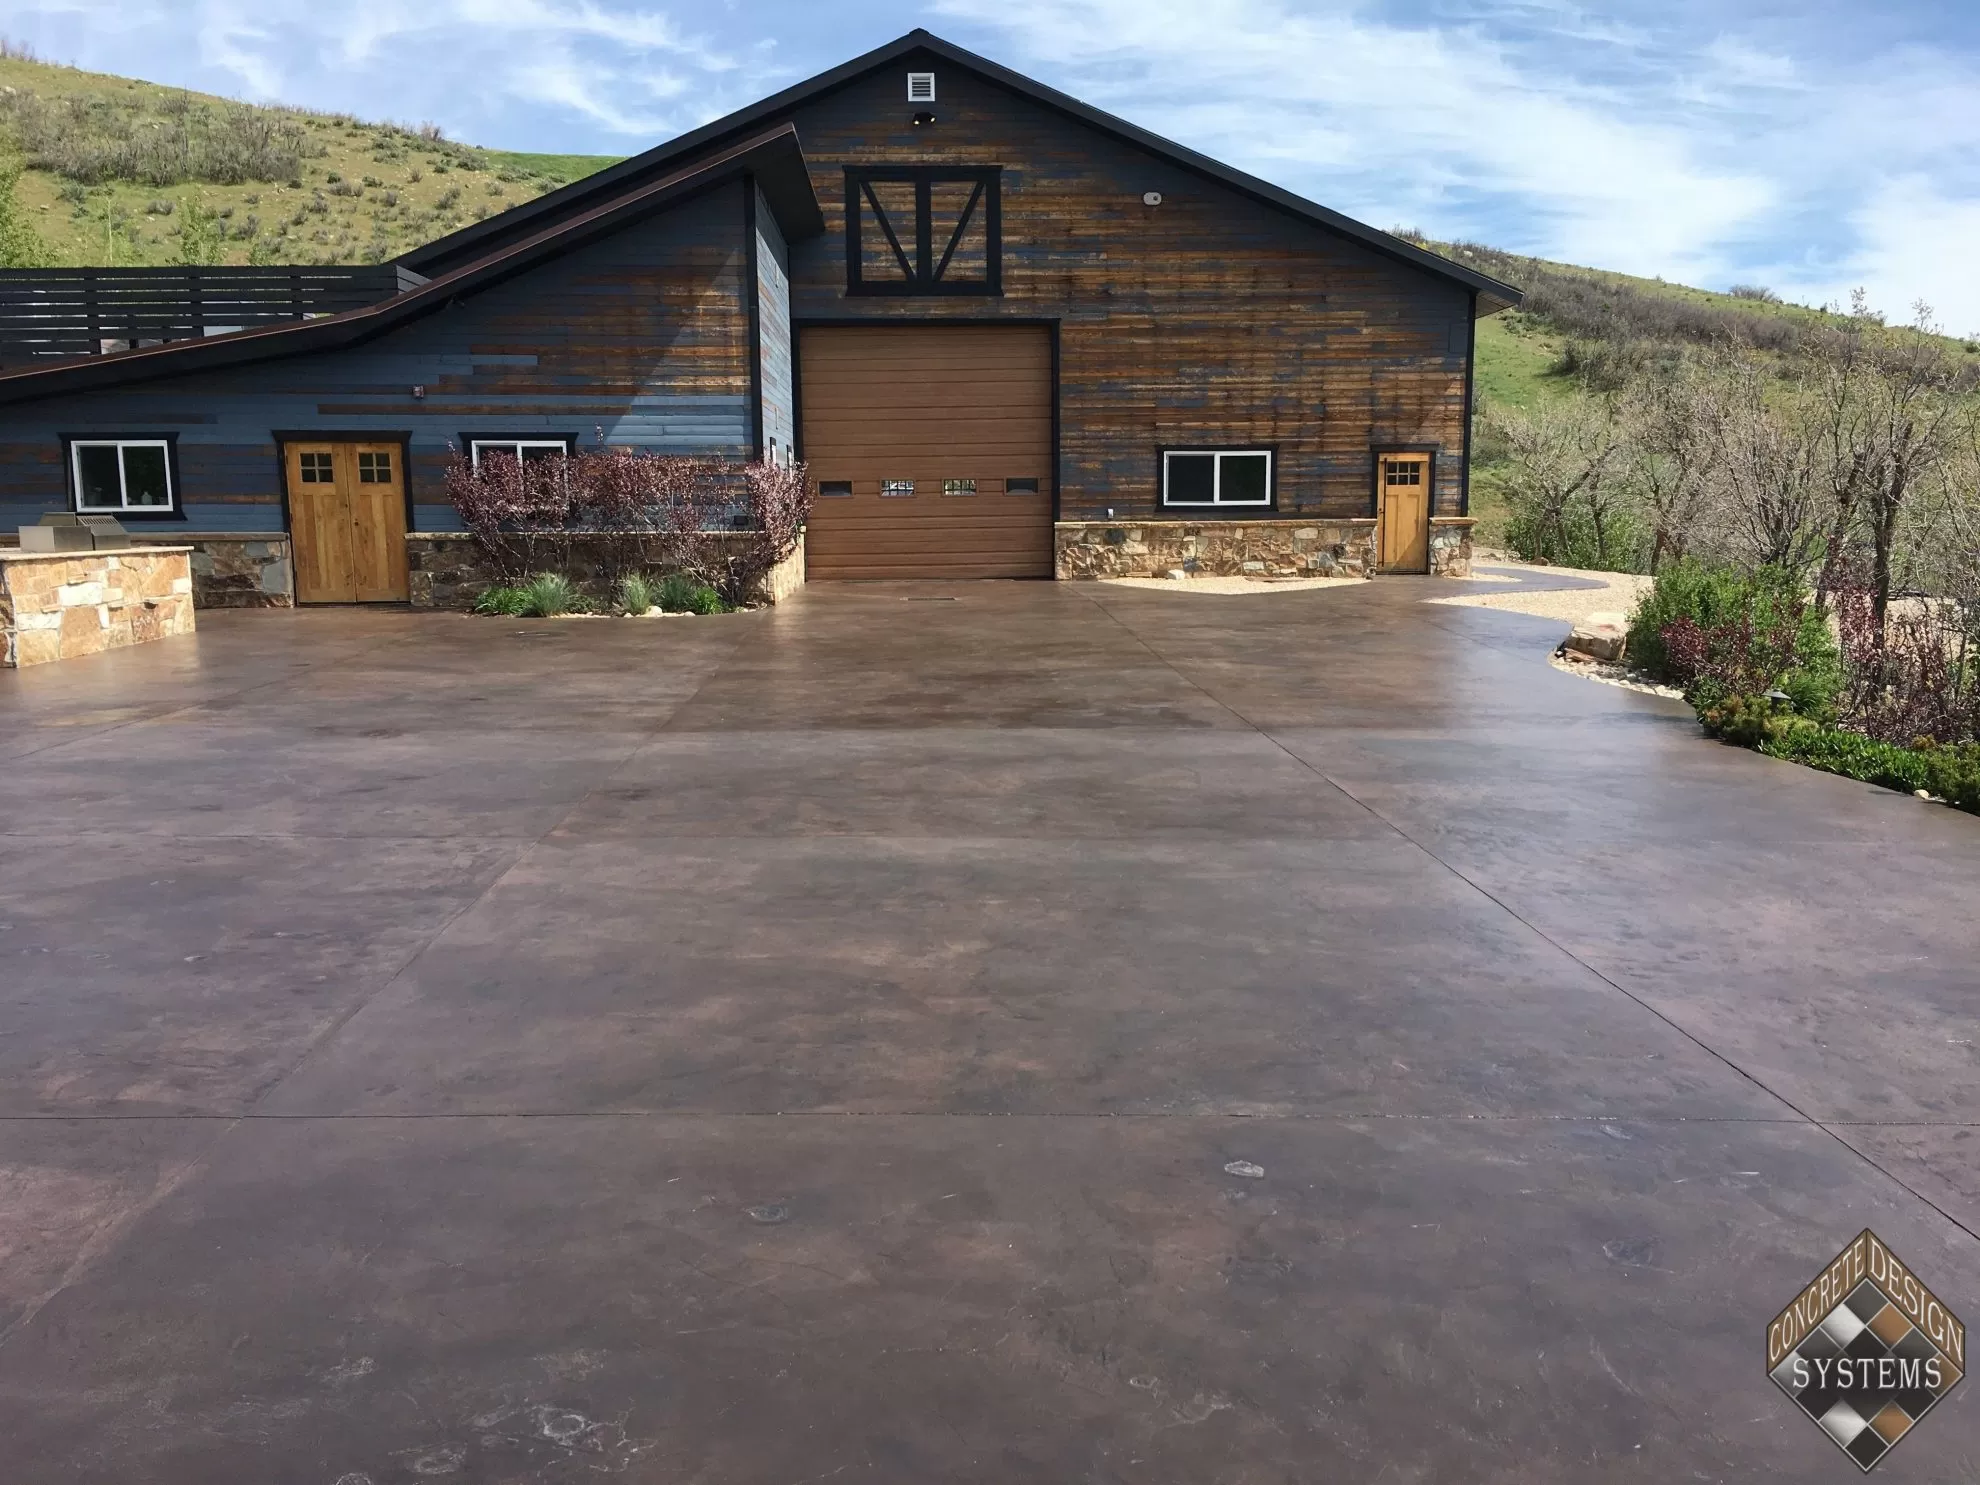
{"x": 1403, "y": 513}
{"x": 347, "y": 521}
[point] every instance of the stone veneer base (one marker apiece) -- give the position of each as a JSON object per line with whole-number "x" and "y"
{"x": 236, "y": 569}
{"x": 1263, "y": 549}
{"x": 59, "y": 605}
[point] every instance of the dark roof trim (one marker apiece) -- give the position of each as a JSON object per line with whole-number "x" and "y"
{"x": 772, "y": 159}
{"x": 1493, "y": 295}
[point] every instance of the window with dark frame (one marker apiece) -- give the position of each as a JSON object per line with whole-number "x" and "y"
{"x": 123, "y": 476}
{"x": 1023, "y": 486}
{"x": 924, "y": 229}
{"x": 835, "y": 489}
{"x": 1235, "y": 478}
{"x": 317, "y": 469}
{"x": 374, "y": 468}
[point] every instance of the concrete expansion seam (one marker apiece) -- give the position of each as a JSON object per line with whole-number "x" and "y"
{"x": 1801, "y": 1114}
{"x": 1706, "y": 1047}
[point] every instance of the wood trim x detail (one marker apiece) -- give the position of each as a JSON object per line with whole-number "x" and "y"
{"x": 924, "y": 268}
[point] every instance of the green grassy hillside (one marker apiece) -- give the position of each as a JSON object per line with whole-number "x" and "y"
{"x": 127, "y": 172}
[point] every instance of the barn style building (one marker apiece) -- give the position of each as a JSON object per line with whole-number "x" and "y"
{"x": 1010, "y": 335}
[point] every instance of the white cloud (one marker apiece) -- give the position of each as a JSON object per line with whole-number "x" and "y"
{"x": 1397, "y": 122}
{"x": 517, "y": 73}
{"x": 1707, "y": 158}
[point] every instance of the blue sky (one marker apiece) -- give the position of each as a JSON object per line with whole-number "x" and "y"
{"x": 1813, "y": 147}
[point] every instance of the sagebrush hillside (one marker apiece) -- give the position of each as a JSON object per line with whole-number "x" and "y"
{"x": 122, "y": 172}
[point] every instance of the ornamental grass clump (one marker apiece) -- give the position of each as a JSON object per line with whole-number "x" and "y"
{"x": 679, "y": 593}
{"x": 637, "y": 594}
{"x": 549, "y": 595}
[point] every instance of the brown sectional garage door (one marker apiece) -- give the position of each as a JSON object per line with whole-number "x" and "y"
{"x": 944, "y": 435}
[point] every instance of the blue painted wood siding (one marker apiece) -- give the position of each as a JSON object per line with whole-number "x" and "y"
{"x": 773, "y": 298}
{"x": 1209, "y": 319}
{"x": 638, "y": 339}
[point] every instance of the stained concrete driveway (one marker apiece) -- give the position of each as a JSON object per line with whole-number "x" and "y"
{"x": 817, "y": 1045}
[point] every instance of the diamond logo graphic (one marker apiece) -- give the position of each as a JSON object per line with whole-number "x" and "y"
{"x": 1866, "y": 1350}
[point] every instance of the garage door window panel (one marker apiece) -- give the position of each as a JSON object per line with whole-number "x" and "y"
{"x": 1219, "y": 479}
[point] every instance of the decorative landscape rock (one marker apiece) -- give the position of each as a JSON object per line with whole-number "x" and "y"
{"x": 1600, "y": 636}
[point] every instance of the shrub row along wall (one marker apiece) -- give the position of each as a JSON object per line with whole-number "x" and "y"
{"x": 451, "y": 569}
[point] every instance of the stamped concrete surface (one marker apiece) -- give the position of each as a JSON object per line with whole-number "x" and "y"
{"x": 980, "y": 1032}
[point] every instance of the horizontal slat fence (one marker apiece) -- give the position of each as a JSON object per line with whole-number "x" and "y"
{"x": 56, "y": 312}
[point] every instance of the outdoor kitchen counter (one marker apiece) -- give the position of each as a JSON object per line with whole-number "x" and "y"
{"x": 58, "y": 605}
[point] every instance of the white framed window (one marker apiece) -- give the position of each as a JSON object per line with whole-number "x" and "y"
{"x": 921, "y": 87}
{"x": 1211, "y": 478}
{"x": 524, "y": 450}
{"x": 119, "y": 476}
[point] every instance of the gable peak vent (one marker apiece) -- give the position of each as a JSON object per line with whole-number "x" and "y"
{"x": 921, "y": 87}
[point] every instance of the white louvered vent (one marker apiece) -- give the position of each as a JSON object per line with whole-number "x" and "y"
{"x": 921, "y": 87}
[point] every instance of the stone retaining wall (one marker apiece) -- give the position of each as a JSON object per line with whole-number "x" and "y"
{"x": 1263, "y": 549}
{"x": 1096, "y": 549}
{"x": 236, "y": 571}
{"x": 58, "y": 605}
{"x": 448, "y": 569}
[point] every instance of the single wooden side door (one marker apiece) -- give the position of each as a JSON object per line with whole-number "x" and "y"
{"x": 347, "y": 522}
{"x": 1403, "y": 513}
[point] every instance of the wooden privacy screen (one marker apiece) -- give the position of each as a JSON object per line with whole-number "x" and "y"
{"x": 1402, "y": 493}
{"x": 932, "y": 448}
{"x": 347, "y": 519}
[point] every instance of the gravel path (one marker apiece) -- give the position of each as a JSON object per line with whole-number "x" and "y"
{"x": 1592, "y": 592}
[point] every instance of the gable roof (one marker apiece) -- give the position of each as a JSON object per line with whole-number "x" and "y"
{"x": 1493, "y": 295}
{"x": 772, "y": 157}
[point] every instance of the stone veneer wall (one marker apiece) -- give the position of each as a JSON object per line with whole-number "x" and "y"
{"x": 1263, "y": 549}
{"x": 1094, "y": 549}
{"x": 235, "y": 571}
{"x": 1450, "y": 546}
{"x": 448, "y": 569}
{"x": 58, "y": 605}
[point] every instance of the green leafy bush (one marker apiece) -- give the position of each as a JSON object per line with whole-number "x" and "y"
{"x": 1723, "y": 632}
{"x": 1954, "y": 774}
{"x": 1854, "y": 756}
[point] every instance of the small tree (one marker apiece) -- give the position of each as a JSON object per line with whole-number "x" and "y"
{"x": 200, "y": 234}
{"x": 778, "y": 500}
{"x": 1562, "y": 461}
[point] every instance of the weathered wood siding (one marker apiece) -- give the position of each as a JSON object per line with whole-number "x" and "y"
{"x": 1208, "y": 319}
{"x": 640, "y": 338}
{"x": 773, "y": 300}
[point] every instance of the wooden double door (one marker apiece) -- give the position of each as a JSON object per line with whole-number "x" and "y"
{"x": 347, "y": 521}
{"x": 1402, "y": 509}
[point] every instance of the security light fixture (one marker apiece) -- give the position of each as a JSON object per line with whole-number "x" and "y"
{"x": 923, "y": 119}
{"x": 1151, "y": 198}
